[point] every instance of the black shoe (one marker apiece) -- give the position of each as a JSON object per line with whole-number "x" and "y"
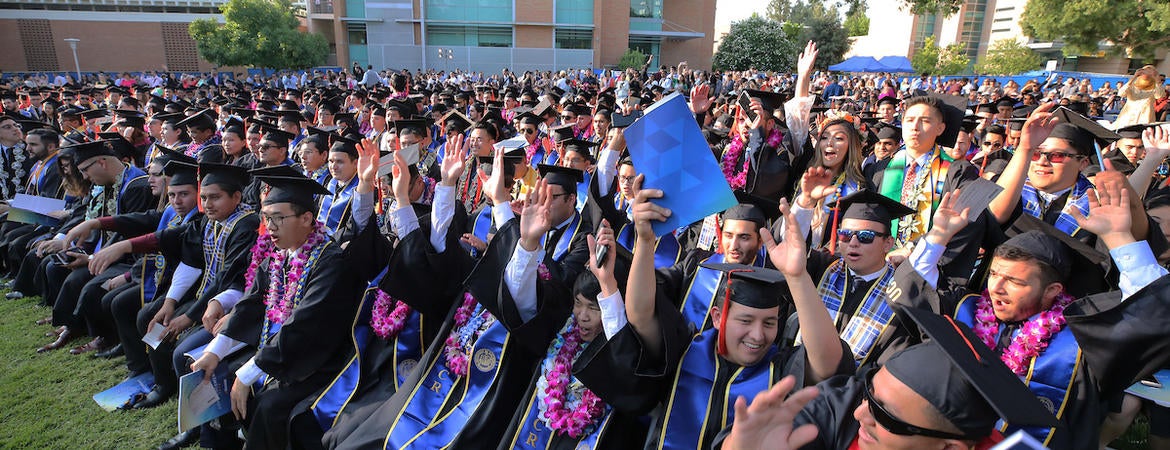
{"x": 154, "y": 398}
{"x": 184, "y": 439}
{"x": 112, "y": 352}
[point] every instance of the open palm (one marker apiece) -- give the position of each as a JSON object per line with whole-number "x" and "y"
{"x": 535, "y": 219}
{"x": 789, "y": 256}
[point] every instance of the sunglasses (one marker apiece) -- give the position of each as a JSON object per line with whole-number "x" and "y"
{"x": 863, "y": 236}
{"x": 893, "y": 424}
{"x": 1055, "y": 157}
{"x": 528, "y": 131}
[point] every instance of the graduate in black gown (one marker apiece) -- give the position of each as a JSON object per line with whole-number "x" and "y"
{"x": 852, "y": 283}
{"x": 467, "y": 385}
{"x": 946, "y": 393}
{"x": 696, "y": 376}
{"x": 1069, "y": 351}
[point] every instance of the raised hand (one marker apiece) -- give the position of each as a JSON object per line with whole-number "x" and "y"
{"x": 535, "y": 220}
{"x": 808, "y": 57}
{"x": 605, "y": 275}
{"x": 367, "y": 166}
{"x": 767, "y": 423}
{"x": 815, "y": 185}
{"x": 790, "y": 255}
{"x": 495, "y": 187}
{"x": 1037, "y": 128}
{"x": 700, "y": 98}
{"x": 1156, "y": 140}
{"x": 453, "y": 163}
{"x": 643, "y": 210}
{"x": 1110, "y": 216}
{"x": 758, "y": 108}
{"x": 947, "y": 220}
{"x": 616, "y": 139}
{"x": 401, "y": 182}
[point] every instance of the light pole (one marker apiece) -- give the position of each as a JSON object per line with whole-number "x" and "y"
{"x": 447, "y": 55}
{"x": 73, "y": 46}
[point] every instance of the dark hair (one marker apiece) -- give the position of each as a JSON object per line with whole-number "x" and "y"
{"x": 491, "y": 129}
{"x": 298, "y": 209}
{"x": 587, "y": 286}
{"x": 46, "y": 136}
{"x": 1048, "y": 274}
{"x": 318, "y": 143}
{"x": 925, "y": 100}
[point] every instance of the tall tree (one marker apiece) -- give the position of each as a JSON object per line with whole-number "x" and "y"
{"x": 932, "y": 59}
{"x": 756, "y": 43}
{"x": 856, "y": 22}
{"x": 1008, "y": 57}
{"x": 1136, "y": 28}
{"x": 818, "y": 21}
{"x": 258, "y": 33}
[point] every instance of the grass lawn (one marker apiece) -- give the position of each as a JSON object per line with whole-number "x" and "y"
{"x": 46, "y": 399}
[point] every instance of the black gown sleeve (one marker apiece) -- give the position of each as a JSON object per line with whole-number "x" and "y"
{"x": 318, "y": 327}
{"x": 137, "y": 197}
{"x": 137, "y": 224}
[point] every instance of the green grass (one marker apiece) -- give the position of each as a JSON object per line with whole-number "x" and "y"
{"x": 46, "y": 399}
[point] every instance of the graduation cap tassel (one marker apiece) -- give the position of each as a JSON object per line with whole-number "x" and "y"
{"x": 722, "y": 344}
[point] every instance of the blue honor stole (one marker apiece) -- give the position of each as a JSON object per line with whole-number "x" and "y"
{"x": 419, "y": 424}
{"x": 583, "y": 193}
{"x": 129, "y": 174}
{"x": 155, "y": 266}
{"x": 667, "y": 250}
{"x": 483, "y": 223}
{"x": 335, "y": 208}
{"x": 1050, "y": 376}
{"x": 36, "y": 178}
{"x": 407, "y": 350}
{"x": 696, "y": 306}
{"x": 688, "y": 410}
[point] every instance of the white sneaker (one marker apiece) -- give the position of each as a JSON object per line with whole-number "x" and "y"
{"x": 14, "y": 295}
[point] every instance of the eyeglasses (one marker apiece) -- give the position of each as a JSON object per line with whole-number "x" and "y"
{"x": 863, "y": 236}
{"x": 528, "y": 131}
{"x": 996, "y": 145}
{"x": 275, "y": 221}
{"x": 87, "y": 166}
{"x": 893, "y": 424}
{"x": 268, "y": 146}
{"x": 565, "y": 194}
{"x": 1055, "y": 157}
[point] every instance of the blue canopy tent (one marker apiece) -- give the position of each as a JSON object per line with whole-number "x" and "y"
{"x": 858, "y": 64}
{"x": 896, "y": 64}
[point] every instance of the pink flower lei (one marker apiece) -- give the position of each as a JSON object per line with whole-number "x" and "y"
{"x": 560, "y": 411}
{"x": 279, "y": 304}
{"x": 386, "y": 323}
{"x": 1033, "y": 337}
{"x": 530, "y": 151}
{"x": 738, "y": 179}
{"x": 452, "y": 346}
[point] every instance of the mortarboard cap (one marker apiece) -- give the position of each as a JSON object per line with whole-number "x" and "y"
{"x": 231, "y": 178}
{"x": 85, "y": 151}
{"x": 456, "y": 121}
{"x": 996, "y": 128}
{"x": 1044, "y": 248}
{"x": 578, "y": 109}
{"x": 94, "y": 114}
{"x": 754, "y": 287}
{"x": 27, "y": 125}
{"x": 753, "y": 209}
{"x": 343, "y": 144}
{"x": 122, "y": 147}
{"x": 885, "y": 131}
{"x": 872, "y": 206}
{"x": 131, "y": 118}
{"x": 954, "y": 107}
{"x": 770, "y": 101}
{"x": 528, "y": 118}
{"x": 1132, "y": 131}
{"x": 889, "y": 100}
{"x": 562, "y": 133}
{"x": 565, "y": 177}
{"x": 418, "y": 126}
{"x": 181, "y": 173}
{"x": 1081, "y": 132}
{"x": 579, "y": 145}
{"x": 203, "y": 119}
{"x": 543, "y": 108}
{"x": 295, "y": 188}
{"x": 276, "y": 135}
{"x": 963, "y": 379}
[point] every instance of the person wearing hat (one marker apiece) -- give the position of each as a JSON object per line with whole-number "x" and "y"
{"x": 480, "y": 142}
{"x": 1152, "y": 171}
{"x": 887, "y": 111}
{"x": 299, "y": 347}
{"x": 992, "y": 147}
{"x": 889, "y": 140}
{"x": 1028, "y": 313}
{"x": 125, "y": 190}
{"x": 213, "y": 253}
{"x": 946, "y": 393}
{"x": 580, "y": 117}
{"x": 14, "y": 157}
{"x": 334, "y": 210}
{"x": 1044, "y": 179}
{"x": 290, "y": 121}
{"x": 853, "y": 276}
{"x": 921, "y": 172}
{"x": 534, "y": 151}
{"x": 314, "y": 156}
{"x": 695, "y": 374}
{"x": 416, "y": 132}
{"x": 122, "y": 297}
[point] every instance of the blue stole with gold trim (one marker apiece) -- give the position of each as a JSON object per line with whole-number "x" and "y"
{"x": 334, "y": 207}
{"x": 1050, "y": 376}
{"x": 483, "y": 223}
{"x": 564, "y": 243}
{"x": 583, "y": 193}
{"x": 155, "y": 266}
{"x": 667, "y": 250}
{"x": 688, "y": 409}
{"x": 418, "y": 424}
{"x": 696, "y": 304}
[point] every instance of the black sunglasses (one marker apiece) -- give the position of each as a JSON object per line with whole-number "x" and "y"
{"x": 863, "y": 236}
{"x": 892, "y": 424}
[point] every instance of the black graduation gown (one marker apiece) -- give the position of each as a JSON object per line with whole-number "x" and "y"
{"x": 528, "y": 342}
{"x": 893, "y": 339}
{"x": 637, "y": 380}
{"x": 1115, "y": 356}
{"x": 185, "y": 244}
{"x": 417, "y": 275}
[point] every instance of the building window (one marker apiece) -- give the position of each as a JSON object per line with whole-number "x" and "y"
{"x": 470, "y": 10}
{"x": 357, "y": 33}
{"x": 576, "y": 39}
{"x": 469, "y": 36}
{"x": 578, "y": 12}
{"x": 646, "y": 9}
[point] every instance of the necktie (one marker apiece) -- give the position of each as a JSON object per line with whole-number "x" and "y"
{"x": 910, "y": 184}
{"x": 1005, "y": 336}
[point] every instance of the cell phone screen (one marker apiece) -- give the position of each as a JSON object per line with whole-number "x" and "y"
{"x": 745, "y": 103}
